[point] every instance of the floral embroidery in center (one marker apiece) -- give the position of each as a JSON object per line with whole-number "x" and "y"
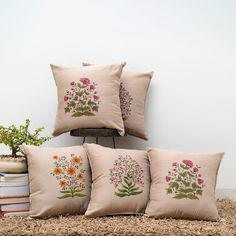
{"x": 82, "y": 98}
{"x": 125, "y": 102}
{"x": 70, "y": 174}
{"x": 185, "y": 180}
{"x": 127, "y": 176}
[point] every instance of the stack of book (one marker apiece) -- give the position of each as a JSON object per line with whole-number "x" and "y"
{"x": 14, "y": 194}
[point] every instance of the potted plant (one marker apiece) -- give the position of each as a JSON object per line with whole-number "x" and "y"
{"x": 13, "y": 137}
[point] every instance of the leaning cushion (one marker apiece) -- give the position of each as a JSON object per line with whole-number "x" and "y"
{"x": 120, "y": 181}
{"x": 133, "y": 92}
{"x": 88, "y": 97}
{"x": 183, "y": 184}
{"x": 60, "y": 180}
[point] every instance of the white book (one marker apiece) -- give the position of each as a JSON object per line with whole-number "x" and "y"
{"x": 15, "y": 207}
{"x": 7, "y": 191}
{"x": 20, "y": 213}
{"x": 14, "y": 200}
{"x": 14, "y": 178}
{"x": 12, "y": 184}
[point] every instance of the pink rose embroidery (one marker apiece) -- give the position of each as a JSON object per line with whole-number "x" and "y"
{"x": 168, "y": 178}
{"x": 91, "y": 87}
{"x": 188, "y": 163}
{"x": 85, "y": 81}
{"x": 200, "y": 181}
{"x": 95, "y": 97}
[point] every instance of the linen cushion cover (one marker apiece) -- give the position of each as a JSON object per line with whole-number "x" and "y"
{"x": 133, "y": 91}
{"x": 60, "y": 180}
{"x": 120, "y": 181}
{"x": 183, "y": 184}
{"x": 88, "y": 97}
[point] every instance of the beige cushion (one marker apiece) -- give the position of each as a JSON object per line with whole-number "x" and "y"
{"x": 60, "y": 180}
{"x": 120, "y": 181}
{"x": 133, "y": 92}
{"x": 183, "y": 184}
{"x": 88, "y": 97}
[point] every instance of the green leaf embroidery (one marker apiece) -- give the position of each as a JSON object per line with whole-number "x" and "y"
{"x": 180, "y": 196}
{"x": 66, "y": 196}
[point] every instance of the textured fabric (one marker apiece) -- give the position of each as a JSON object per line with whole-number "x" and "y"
{"x": 183, "y": 184}
{"x": 60, "y": 180}
{"x": 88, "y": 97}
{"x": 133, "y": 92}
{"x": 120, "y": 181}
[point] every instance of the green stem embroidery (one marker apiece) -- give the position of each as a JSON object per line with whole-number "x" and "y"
{"x": 128, "y": 188}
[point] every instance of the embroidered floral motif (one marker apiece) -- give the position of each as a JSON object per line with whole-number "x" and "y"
{"x": 70, "y": 174}
{"x": 82, "y": 98}
{"x": 127, "y": 176}
{"x": 185, "y": 181}
{"x": 125, "y": 102}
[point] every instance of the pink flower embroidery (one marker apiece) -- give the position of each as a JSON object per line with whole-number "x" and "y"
{"x": 85, "y": 81}
{"x": 168, "y": 178}
{"x": 91, "y": 87}
{"x": 95, "y": 97}
{"x": 188, "y": 163}
{"x": 184, "y": 180}
{"x": 200, "y": 181}
{"x": 81, "y": 98}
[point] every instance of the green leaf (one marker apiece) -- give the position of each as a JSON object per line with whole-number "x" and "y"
{"x": 186, "y": 183}
{"x": 180, "y": 196}
{"x": 127, "y": 182}
{"x": 123, "y": 190}
{"x": 192, "y": 196}
{"x": 194, "y": 185}
{"x": 133, "y": 189}
{"x": 183, "y": 174}
{"x": 78, "y": 190}
{"x": 121, "y": 194}
{"x": 179, "y": 179}
{"x": 72, "y": 104}
{"x": 124, "y": 186}
{"x": 168, "y": 190}
{"x": 95, "y": 108}
{"x": 191, "y": 175}
{"x": 199, "y": 191}
{"x": 77, "y": 114}
{"x": 78, "y": 195}
{"x": 66, "y": 191}
{"x": 13, "y": 137}
{"x": 135, "y": 193}
{"x": 89, "y": 113}
{"x": 188, "y": 190}
{"x": 185, "y": 167}
{"x": 175, "y": 185}
{"x": 65, "y": 196}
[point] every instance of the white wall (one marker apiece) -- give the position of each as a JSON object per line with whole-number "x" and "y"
{"x": 189, "y": 44}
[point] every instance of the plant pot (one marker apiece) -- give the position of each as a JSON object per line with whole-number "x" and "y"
{"x": 9, "y": 164}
